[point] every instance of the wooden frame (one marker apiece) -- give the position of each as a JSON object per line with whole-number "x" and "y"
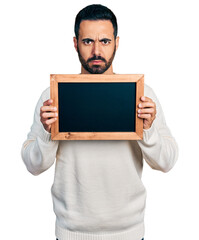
{"x": 55, "y": 79}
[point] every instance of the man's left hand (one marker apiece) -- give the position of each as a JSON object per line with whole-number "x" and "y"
{"x": 147, "y": 111}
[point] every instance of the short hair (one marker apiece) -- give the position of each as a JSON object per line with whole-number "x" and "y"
{"x": 95, "y": 12}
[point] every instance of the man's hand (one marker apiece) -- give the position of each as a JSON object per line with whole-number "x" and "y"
{"x": 48, "y": 114}
{"x": 147, "y": 111}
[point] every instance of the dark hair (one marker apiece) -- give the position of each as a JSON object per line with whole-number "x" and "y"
{"x": 95, "y": 12}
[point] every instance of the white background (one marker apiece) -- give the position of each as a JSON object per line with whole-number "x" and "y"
{"x": 157, "y": 38}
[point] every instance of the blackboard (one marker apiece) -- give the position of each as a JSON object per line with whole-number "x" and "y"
{"x": 97, "y": 107}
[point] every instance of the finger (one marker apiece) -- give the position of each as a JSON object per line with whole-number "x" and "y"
{"x": 145, "y": 99}
{"x": 145, "y": 116}
{"x": 147, "y": 105}
{"x": 48, "y": 115}
{"x": 146, "y": 110}
{"x": 48, "y": 102}
{"x": 50, "y": 121}
{"x": 48, "y": 109}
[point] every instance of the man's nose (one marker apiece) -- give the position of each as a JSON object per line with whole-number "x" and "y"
{"x": 96, "y": 48}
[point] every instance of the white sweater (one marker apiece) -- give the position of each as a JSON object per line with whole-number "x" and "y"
{"x": 97, "y": 191}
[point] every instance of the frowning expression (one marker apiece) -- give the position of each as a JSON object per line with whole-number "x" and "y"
{"x": 96, "y": 46}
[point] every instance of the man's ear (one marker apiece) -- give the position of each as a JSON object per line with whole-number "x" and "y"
{"x": 117, "y": 42}
{"x": 75, "y": 42}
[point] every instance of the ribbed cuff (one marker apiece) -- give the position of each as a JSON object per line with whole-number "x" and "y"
{"x": 148, "y": 133}
{"x": 134, "y": 234}
{"x": 44, "y": 135}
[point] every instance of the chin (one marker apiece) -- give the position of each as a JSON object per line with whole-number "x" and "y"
{"x": 96, "y": 69}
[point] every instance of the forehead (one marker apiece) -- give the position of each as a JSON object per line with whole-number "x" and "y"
{"x": 92, "y": 28}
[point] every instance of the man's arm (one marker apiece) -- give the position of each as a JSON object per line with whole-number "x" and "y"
{"x": 158, "y": 146}
{"x": 39, "y": 151}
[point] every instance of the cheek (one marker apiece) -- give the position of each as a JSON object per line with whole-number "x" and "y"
{"x": 85, "y": 51}
{"x": 108, "y": 51}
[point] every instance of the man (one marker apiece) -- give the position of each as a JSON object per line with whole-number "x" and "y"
{"x": 97, "y": 191}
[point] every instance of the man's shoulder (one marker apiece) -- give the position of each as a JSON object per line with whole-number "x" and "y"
{"x": 45, "y": 94}
{"x": 147, "y": 87}
{"x": 148, "y": 90}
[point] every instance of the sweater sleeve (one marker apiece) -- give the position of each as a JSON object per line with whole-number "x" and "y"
{"x": 39, "y": 151}
{"x": 158, "y": 146}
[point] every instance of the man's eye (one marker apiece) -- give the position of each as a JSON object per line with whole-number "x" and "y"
{"x": 87, "y": 42}
{"x": 105, "y": 42}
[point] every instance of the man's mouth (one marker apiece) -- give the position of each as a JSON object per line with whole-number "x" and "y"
{"x": 96, "y": 61}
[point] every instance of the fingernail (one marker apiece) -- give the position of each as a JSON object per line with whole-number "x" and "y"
{"x": 139, "y": 110}
{"x": 143, "y": 98}
{"x": 55, "y": 108}
{"x": 140, "y": 105}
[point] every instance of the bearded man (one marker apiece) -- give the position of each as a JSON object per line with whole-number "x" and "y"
{"x": 97, "y": 191}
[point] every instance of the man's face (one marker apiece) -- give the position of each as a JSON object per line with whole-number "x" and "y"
{"x": 96, "y": 45}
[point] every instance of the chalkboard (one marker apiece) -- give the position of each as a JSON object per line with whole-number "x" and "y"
{"x": 97, "y": 107}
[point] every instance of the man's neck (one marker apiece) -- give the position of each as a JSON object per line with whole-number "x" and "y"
{"x": 108, "y": 71}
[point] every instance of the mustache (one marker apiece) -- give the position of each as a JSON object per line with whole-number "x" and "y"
{"x": 96, "y": 58}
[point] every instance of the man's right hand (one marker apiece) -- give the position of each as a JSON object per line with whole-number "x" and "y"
{"x": 48, "y": 114}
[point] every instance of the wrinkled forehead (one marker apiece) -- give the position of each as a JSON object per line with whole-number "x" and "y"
{"x": 96, "y": 29}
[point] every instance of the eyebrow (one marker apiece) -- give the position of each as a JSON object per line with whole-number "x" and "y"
{"x": 89, "y": 39}
{"x": 107, "y": 39}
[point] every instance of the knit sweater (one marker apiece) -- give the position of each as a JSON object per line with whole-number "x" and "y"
{"x": 97, "y": 191}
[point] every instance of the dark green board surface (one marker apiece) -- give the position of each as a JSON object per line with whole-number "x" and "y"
{"x": 97, "y": 107}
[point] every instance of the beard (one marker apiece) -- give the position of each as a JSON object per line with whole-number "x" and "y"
{"x": 96, "y": 69}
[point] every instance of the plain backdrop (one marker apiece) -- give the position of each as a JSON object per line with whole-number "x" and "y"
{"x": 157, "y": 38}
